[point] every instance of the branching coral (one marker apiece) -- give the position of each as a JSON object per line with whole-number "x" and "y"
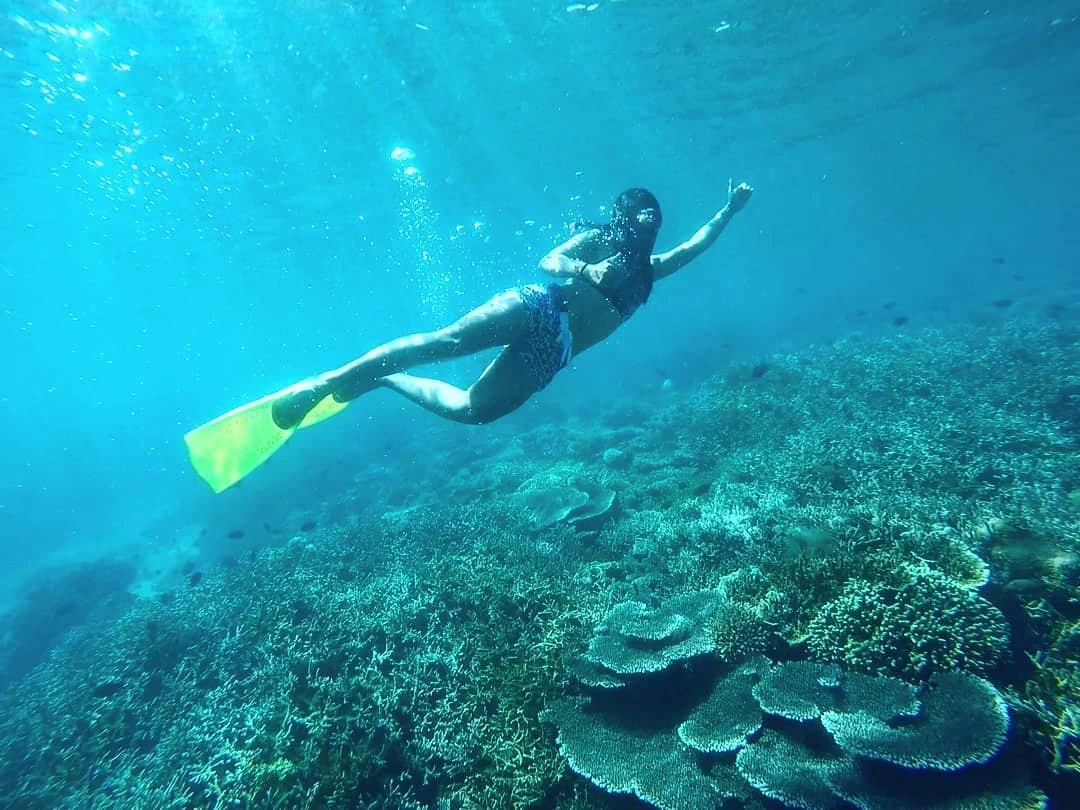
{"x": 1049, "y": 701}
{"x": 928, "y": 625}
{"x": 365, "y": 670}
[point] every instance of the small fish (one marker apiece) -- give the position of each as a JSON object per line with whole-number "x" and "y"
{"x": 900, "y": 320}
{"x": 998, "y": 260}
{"x": 195, "y": 579}
{"x": 307, "y": 525}
{"x": 888, "y": 305}
{"x": 236, "y": 534}
{"x": 108, "y": 689}
{"x": 1003, "y": 303}
{"x": 759, "y": 370}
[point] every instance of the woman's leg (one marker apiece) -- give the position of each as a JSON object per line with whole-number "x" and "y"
{"x": 506, "y": 384}
{"x": 496, "y": 323}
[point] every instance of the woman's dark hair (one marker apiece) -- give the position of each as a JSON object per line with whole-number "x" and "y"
{"x": 635, "y": 220}
{"x": 632, "y": 202}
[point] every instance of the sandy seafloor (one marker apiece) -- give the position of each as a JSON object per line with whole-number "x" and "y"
{"x": 844, "y": 575}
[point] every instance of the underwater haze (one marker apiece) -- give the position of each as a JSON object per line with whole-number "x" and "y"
{"x": 866, "y": 394}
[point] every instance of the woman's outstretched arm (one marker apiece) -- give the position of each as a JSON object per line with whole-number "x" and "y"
{"x": 664, "y": 264}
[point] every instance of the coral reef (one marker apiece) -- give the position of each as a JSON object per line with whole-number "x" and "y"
{"x": 638, "y": 739}
{"x": 398, "y": 662}
{"x": 865, "y": 505}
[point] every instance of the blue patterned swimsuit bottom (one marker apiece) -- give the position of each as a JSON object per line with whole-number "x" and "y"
{"x": 548, "y": 345}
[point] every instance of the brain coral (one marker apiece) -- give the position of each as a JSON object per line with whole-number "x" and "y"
{"x": 930, "y": 624}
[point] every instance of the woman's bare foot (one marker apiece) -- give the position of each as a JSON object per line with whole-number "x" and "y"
{"x": 290, "y": 408}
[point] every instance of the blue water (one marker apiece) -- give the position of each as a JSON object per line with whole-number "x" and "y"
{"x": 202, "y": 203}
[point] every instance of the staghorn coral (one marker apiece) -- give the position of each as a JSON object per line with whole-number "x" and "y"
{"x": 1048, "y": 705}
{"x": 365, "y": 670}
{"x": 928, "y": 625}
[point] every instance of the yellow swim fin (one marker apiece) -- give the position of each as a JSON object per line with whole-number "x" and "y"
{"x": 226, "y": 449}
{"x": 324, "y": 410}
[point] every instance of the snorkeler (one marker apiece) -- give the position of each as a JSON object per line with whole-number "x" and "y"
{"x": 602, "y": 274}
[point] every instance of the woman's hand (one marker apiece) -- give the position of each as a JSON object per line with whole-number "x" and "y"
{"x": 561, "y": 265}
{"x": 604, "y": 273}
{"x": 737, "y": 195}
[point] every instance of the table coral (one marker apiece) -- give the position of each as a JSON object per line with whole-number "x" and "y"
{"x": 940, "y": 737}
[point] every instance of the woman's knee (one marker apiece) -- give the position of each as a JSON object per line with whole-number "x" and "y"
{"x": 472, "y": 416}
{"x": 467, "y": 415}
{"x": 486, "y": 406}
